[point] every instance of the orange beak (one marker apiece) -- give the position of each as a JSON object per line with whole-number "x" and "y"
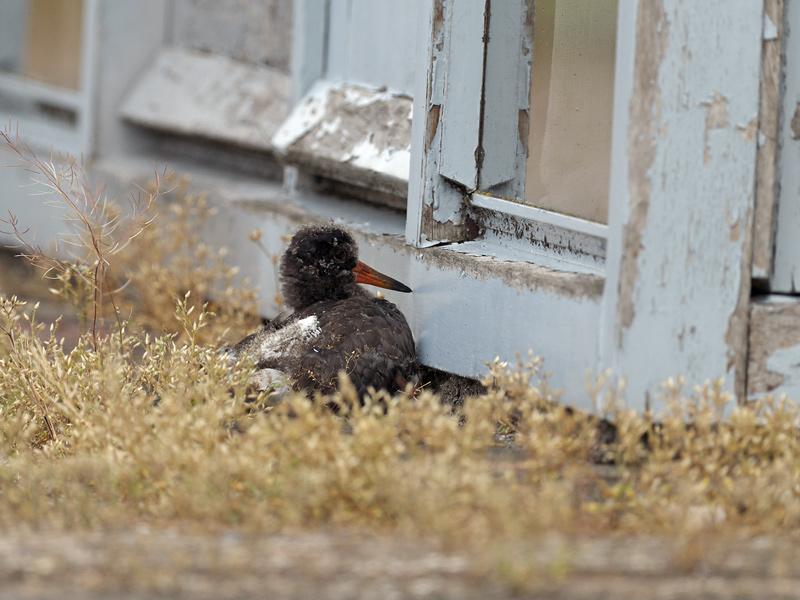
{"x": 365, "y": 274}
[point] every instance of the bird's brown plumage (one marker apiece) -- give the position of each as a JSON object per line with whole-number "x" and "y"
{"x": 336, "y": 325}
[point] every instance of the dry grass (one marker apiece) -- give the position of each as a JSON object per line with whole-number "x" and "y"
{"x": 143, "y": 422}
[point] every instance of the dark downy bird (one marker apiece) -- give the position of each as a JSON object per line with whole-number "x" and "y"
{"x": 335, "y": 324}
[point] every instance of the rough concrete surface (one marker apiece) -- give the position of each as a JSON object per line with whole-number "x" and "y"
{"x": 142, "y": 564}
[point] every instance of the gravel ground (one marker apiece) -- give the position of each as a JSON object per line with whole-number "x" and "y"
{"x": 144, "y": 564}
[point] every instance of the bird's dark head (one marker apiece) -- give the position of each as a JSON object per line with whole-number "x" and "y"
{"x": 321, "y": 263}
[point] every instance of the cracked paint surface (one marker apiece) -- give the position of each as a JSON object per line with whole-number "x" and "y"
{"x": 684, "y": 194}
{"x": 795, "y": 124}
{"x": 352, "y": 132}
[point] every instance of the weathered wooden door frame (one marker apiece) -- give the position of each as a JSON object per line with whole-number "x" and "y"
{"x": 683, "y": 161}
{"x": 779, "y": 201}
{"x": 682, "y": 192}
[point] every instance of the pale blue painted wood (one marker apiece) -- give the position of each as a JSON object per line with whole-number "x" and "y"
{"x": 12, "y": 34}
{"x": 310, "y": 22}
{"x": 123, "y": 53}
{"x": 786, "y": 277}
{"x": 461, "y": 108}
{"x": 257, "y": 31}
{"x": 682, "y": 192}
{"x": 419, "y": 168}
{"x": 435, "y": 206}
{"x": 374, "y": 42}
{"x": 506, "y": 91}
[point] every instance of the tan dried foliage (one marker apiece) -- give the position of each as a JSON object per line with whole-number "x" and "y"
{"x": 145, "y": 422}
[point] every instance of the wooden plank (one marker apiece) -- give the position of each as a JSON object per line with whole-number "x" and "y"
{"x": 682, "y": 193}
{"x": 557, "y": 240}
{"x": 256, "y": 32}
{"x": 435, "y": 211}
{"x": 769, "y": 132}
{"x": 32, "y": 90}
{"x": 506, "y": 92}
{"x": 351, "y": 133}
{"x": 210, "y": 96}
{"x": 89, "y": 75}
{"x": 463, "y": 89}
{"x": 126, "y": 52}
{"x": 374, "y": 42}
{"x": 425, "y": 119}
{"x": 786, "y": 277}
{"x": 532, "y": 213}
{"x": 310, "y": 26}
{"x": 12, "y": 34}
{"x": 774, "y": 358}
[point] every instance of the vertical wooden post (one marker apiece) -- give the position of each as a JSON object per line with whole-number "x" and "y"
{"x": 682, "y": 192}
{"x": 764, "y": 223}
{"x": 117, "y": 53}
{"x": 786, "y": 276}
{"x": 309, "y": 41}
{"x": 445, "y": 131}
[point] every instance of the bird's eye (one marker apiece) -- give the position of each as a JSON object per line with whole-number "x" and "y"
{"x": 339, "y": 253}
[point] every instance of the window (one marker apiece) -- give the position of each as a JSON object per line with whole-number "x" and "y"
{"x": 45, "y": 72}
{"x": 354, "y": 82}
{"x": 218, "y": 86}
{"x": 520, "y": 149}
{"x": 48, "y": 47}
{"x": 343, "y": 117}
{"x": 569, "y": 135}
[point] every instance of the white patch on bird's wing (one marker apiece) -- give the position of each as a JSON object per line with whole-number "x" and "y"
{"x": 288, "y": 340}
{"x": 272, "y": 380}
{"x": 309, "y": 326}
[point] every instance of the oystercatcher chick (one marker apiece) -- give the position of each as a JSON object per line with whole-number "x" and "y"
{"x": 336, "y": 325}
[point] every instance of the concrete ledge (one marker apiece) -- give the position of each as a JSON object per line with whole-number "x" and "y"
{"x": 210, "y": 96}
{"x": 351, "y": 133}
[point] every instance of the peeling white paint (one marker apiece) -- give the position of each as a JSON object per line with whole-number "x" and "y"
{"x": 463, "y": 94}
{"x": 306, "y": 115}
{"x": 351, "y": 133}
{"x": 770, "y": 29}
{"x": 390, "y": 161}
{"x": 684, "y": 282}
{"x": 359, "y": 97}
{"x": 329, "y": 127}
{"x": 787, "y": 242}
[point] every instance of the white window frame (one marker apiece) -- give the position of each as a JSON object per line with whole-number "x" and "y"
{"x": 371, "y": 159}
{"x": 51, "y": 134}
{"x": 667, "y": 309}
{"x": 470, "y": 168}
{"x": 779, "y": 205}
